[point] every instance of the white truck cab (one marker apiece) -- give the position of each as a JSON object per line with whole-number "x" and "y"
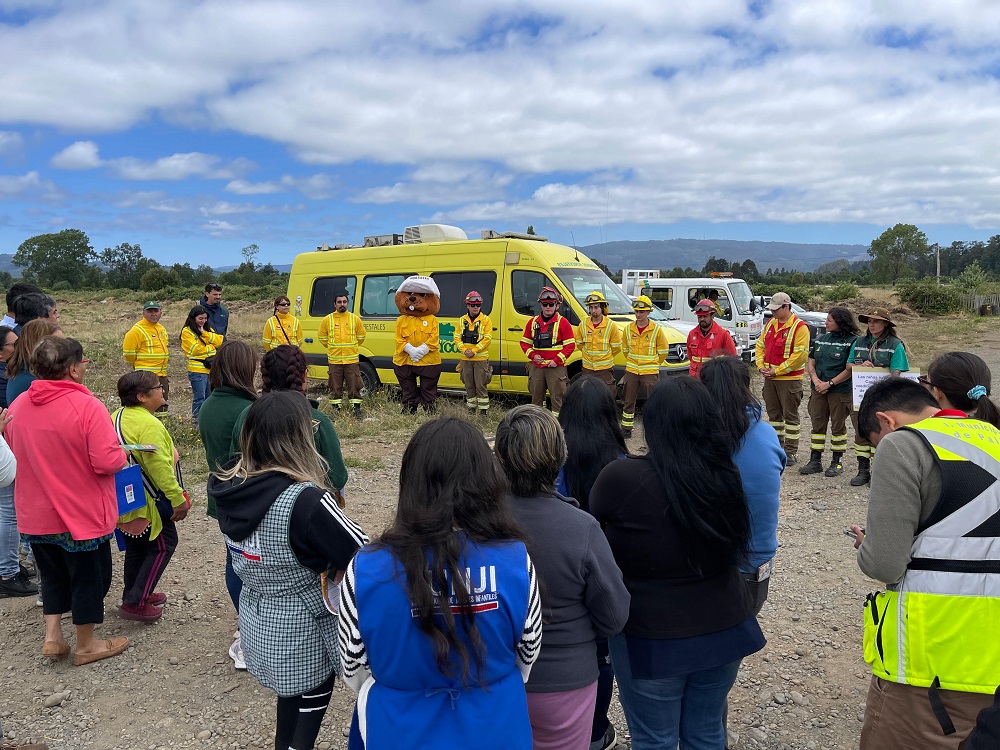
{"x": 676, "y": 297}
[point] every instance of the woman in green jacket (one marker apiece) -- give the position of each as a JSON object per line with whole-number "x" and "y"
{"x": 150, "y": 532}
{"x": 233, "y": 391}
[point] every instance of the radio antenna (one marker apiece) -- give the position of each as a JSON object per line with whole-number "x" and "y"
{"x": 575, "y": 253}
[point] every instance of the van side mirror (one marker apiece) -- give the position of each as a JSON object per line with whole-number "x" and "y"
{"x": 753, "y": 304}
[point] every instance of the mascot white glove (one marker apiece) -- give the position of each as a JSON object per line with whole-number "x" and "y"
{"x": 423, "y": 349}
{"x": 412, "y": 351}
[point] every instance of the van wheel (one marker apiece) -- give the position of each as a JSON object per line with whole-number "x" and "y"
{"x": 369, "y": 379}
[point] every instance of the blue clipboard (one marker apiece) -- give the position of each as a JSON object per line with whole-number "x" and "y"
{"x": 129, "y": 490}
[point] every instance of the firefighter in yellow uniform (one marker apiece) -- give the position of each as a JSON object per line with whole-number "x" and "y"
{"x": 473, "y": 338}
{"x": 282, "y": 327}
{"x": 600, "y": 340}
{"x": 646, "y": 347}
{"x": 145, "y": 346}
{"x": 341, "y": 333}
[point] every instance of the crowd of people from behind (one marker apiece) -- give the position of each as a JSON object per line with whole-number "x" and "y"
{"x": 516, "y": 585}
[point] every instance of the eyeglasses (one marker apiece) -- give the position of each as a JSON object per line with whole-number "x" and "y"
{"x": 548, "y": 304}
{"x": 283, "y": 304}
{"x": 155, "y": 388}
{"x": 922, "y": 379}
{"x": 474, "y": 304}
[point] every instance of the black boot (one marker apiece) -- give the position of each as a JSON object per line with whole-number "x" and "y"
{"x": 836, "y": 466}
{"x": 357, "y": 412}
{"x": 815, "y": 465}
{"x": 864, "y": 472}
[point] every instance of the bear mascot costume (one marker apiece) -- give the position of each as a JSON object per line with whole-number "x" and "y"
{"x": 417, "y": 361}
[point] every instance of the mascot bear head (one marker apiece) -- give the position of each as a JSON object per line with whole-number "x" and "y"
{"x": 418, "y": 296}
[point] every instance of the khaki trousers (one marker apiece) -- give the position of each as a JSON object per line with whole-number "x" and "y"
{"x": 634, "y": 385}
{"x": 340, "y": 375}
{"x": 475, "y": 377}
{"x": 553, "y": 379}
{"x": 832, "y": 408}
{"x": 899, "y": 717}
{"x": 782, "y": 399}
{"x": 605, "y": 376}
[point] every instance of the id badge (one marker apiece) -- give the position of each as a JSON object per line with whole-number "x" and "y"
{"x": 764, "y": 571}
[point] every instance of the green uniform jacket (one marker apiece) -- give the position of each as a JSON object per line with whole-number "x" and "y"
{"x": 885, "y": 352}
{"x": 830, "y": 354}
{"x": 139, "y": 426}
{"x": 327, "y": 444}
{"x": 221, "y": 410}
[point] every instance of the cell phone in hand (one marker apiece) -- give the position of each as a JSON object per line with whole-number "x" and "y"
{"x": 850, "y": 533}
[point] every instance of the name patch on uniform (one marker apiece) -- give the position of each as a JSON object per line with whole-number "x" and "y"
{"x": 482, "y": 591}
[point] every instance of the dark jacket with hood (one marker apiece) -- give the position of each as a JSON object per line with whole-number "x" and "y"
{"x": 218, "y": 316}
{"x": 320, "y": 533}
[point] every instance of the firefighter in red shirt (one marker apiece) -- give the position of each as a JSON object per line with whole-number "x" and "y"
{"x": 548, "y": 342}
{"x": 709, "y": 339}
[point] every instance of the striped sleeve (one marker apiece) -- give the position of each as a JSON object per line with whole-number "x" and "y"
{"x": 353, "y": 653}
{"x": 531, "y": 637}
{"x": 353, "y": 530}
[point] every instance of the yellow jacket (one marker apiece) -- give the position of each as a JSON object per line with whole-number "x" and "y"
{"x": 415, "y": 332}
{"x": 198, "y": 348}
{"x": 145, "y": 347}
{"x": 599, "y": 344}
{"x": 484, "y": 327}
{"x": 282, "y": 328}
{"x": 785, "y": 347}
{"x": 341, "y": 334}
{"x": 645, "y": 350}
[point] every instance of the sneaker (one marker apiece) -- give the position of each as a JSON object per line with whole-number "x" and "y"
{"x": 28, "y": 570}
{"x": 140, "y": 612}
{"x": 790, "y": 459}
{"x": 17, "y": 585}
{"x": 236, "y": 653}
{"x": 608, "y": 741}
{"x": 157, "y": 598}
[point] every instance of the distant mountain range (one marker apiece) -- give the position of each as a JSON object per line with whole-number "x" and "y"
{"x": 665, "y": 254}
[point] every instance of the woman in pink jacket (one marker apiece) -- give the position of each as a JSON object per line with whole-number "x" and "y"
{"x": 67, "y": 454}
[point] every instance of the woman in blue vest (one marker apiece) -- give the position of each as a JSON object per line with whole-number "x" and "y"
{"x": 441, "y": 617}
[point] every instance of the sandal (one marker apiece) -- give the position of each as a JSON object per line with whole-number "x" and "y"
{"x": 55, "y": 650}
{"x": 114, "y": 647}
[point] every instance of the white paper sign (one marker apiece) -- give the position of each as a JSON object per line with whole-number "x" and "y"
{"x": 863, "y": 378}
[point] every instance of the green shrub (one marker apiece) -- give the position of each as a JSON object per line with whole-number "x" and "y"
{"x": 843, "y": 290}
{"x": 926, "y": 297}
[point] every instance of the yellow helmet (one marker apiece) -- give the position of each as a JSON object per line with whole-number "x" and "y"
{"x": 596, "y": 298}
{"x": 642, "y": 302}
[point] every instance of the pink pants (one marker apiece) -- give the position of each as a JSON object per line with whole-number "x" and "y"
{"x": 562, "y": 721}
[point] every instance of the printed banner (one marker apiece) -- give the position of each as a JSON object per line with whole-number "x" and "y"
{"x": 863, "y": 378}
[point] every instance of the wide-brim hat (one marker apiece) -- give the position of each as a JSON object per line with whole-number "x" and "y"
{"x": 878, "y": 313}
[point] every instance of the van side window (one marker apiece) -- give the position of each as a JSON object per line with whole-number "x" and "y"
{"x": 455, "y": 285}
{"x": 325, "y": 291}
{"x": 524, "y": 289}
{"x": 378, "y": 294}
{"x": 662, "y": 298}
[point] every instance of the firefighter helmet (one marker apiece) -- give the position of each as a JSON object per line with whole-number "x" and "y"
{"x": 474, "y": 297}
{"x": 642, "y": 302}
{"x": 548, "y": 293}
{"x": 596, "y": 298}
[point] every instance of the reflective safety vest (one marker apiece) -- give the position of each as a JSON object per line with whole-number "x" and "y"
{"x": 942, "y": 626}
{"x": 281, "y": 329}
{"x": 552, "y": 339}
{"x": 600, "y": 343}
{"x": 341, "y": 334}
{"x": 476, "y": 335}
{"x": 646, "y": 349}
{"x": 145, "y": 347}
{"x": 785, "y": 347}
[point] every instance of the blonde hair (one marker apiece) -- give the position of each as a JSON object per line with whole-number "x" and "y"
{"x": 32, "y": 333}
{"x": 277, "y": 435}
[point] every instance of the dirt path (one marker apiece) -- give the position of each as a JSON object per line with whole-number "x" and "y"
{"x": 176, "y": 686}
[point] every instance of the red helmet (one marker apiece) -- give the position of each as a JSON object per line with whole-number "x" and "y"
{"x": 549, "y": 293}
{"x": 475, "y": 297}
{"x": 704, "y": 307}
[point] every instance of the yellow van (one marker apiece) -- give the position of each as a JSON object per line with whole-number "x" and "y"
{"x": 508, "y": 269}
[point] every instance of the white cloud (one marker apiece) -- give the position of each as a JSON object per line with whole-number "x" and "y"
{"x": 179, "y": 167}
{"x": 317, "y": 186}
{"x": 245, "y": 187}
{"x": 11, "y": 143}
{"x": 79, "y": 155}
{"x": 441, "y": 184}
{"x": 27, "y": 184}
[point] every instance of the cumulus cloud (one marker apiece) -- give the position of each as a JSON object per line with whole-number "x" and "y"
{"x": 786, "y": 110}
{"x": 79, "y": 155}
{"x": 27, "y": 184}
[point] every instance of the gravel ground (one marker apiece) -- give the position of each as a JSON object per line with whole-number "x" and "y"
{"x": 176, "y": 687}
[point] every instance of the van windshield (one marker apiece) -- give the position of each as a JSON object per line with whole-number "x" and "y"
{"x": 583, "y": 281}
{"x": 739, "y": 293}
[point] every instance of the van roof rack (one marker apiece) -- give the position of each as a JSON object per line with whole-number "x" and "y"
{"x": 492, "y": 234}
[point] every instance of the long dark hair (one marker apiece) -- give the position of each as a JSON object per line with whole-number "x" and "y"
{"x": 844, "y": 319}
{"x": 701, "y": 484}
{"x": 593, "y": 435}
{"x": 191, "y": 325}
{"x": 957, "y": 374}
{"x": 728, "y": 380}
{"x": 283, "y": 368}
{"x": 449, "y": 479}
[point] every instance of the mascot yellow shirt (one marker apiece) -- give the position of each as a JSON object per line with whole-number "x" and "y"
{"x": 415, "y": 331}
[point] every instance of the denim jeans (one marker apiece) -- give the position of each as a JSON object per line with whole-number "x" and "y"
{"x": 199, "y": 391}
{"x": 234, "y": 584}
{"x": 684, "y": 708}
{"x": 10, "y": 540}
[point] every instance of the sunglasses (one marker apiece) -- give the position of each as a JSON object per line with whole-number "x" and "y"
{"x": 283, "y": 304}
{"x": 549, "y": 304}
{"x": 474, "y": 304}
{"x": 215, "y": 287}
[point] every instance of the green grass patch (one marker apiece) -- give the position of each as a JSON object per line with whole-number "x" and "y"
{"x": 368, "y": 464}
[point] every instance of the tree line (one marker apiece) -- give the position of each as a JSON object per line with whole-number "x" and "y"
{"x": 67, "y": 260}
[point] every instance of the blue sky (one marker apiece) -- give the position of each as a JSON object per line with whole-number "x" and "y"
{"x": 196, "y": 128}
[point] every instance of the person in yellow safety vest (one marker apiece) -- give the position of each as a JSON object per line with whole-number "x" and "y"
{"x": 282, "y": 327}
{"x": 145, "y": 347}
{"x": 341, "y": 333}
{"x": 646, "y": 347}
{"x": 781, "y": 353}
{"x": 713, "y": 297}
{"x": 932, "y": 537}
{"x": 600, "y": 340}
{"x": 473, "y": 338}
{"x": 200, "y": 343}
